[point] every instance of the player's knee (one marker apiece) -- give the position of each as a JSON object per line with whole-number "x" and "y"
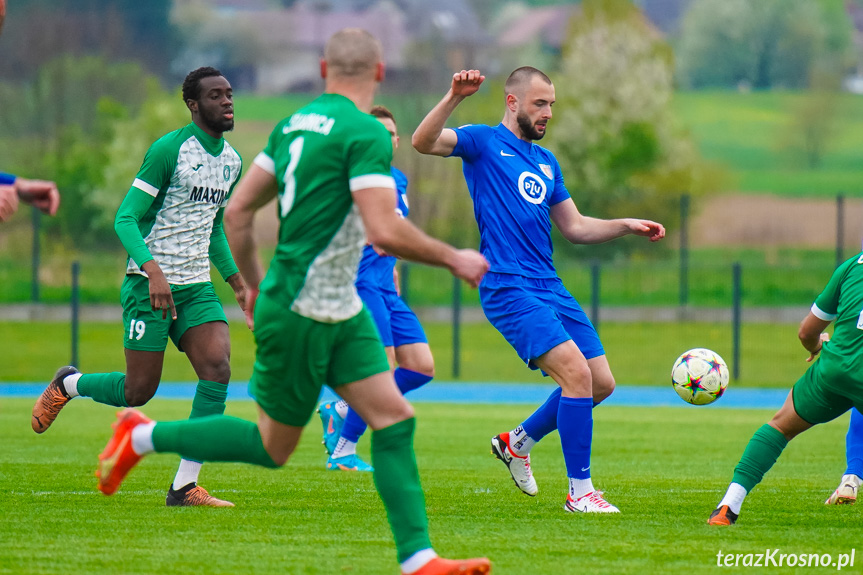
{"x": 395, "y": 414}
{"x": 280, "y": 459}
{"x": 603, "y": 388}
{"x": 424, "y": 366}
{"x": 786, "y": 428}
{"x": 577, "y": 379}
{"x": 218, "y": 370}
{"x": 136, "y": 397}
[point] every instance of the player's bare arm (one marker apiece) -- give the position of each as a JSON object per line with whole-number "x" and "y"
{"x": 160, "y": 290}
{"x": 253, "y": 192}
{"x": 239, "y": 286}
{"x": 401, "y": 238}
{"x": 430, "y": 136}
{"x": 580, "y": 229}
{"x": 811, "y": 334}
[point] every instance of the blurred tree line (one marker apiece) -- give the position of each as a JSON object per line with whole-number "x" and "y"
{"x": 86, "y": 79}
{"x": 764, "y": 44}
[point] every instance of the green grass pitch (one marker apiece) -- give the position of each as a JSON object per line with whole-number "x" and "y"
{"x": 664, "y": 467}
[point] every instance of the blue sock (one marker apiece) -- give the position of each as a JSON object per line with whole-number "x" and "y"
{"x": 354, "y": 426}
{"x": 854, "y": 444}
{"x": 406, "y": 380}
{"x": 575, "y": 424}
{"x": 544, "y": 420}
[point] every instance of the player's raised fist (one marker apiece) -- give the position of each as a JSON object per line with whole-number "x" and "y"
{"x": 466, "y": 82}
{"x": 469, "y": 265}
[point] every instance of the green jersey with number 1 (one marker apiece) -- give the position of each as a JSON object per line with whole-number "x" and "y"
{"x": 318, "y": 156}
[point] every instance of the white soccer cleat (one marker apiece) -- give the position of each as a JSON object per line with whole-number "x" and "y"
{"x": 846, "y": 493}
{"x": 519, "y": 467}
{"x": 593, "y": 502}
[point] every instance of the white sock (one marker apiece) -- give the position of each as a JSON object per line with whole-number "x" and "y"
{"x": 343, "y": 448}
{"x": 342, "y": 408}
{"x": 70, "y": 383}
{"x": 187, "y": 473}
{"x": 580, "y": 487}
{"x": 520, "y": 442}
{"x": 417, "y": 561}
{"x": 734, "y": 498}
{"x": 142, "y": 438}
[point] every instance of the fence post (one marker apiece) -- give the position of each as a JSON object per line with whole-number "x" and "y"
{"x": 840, "y": 227}
{"x": 737, "y": 293}
{"x": 684, "y": 249}
{"x": 456, "y": 327}
{"x": 34, "y": 277}
{"x": 75, "y": 303}
{"x": 594, "y": 294}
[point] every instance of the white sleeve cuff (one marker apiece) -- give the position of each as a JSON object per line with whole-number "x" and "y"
{"x": 821, "y": 314}
{"x": 145, "y": 187}
{"x": 372, "y": 181}
{"x": 266, "y": 163}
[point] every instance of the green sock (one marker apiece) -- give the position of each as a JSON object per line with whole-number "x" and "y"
{"x": 759, "y": 456}
{"x": 209, "y": 399}
{"x": 398, "y": 484}
{"x": 108, "y": 388}
{"x": 213, "y": 438}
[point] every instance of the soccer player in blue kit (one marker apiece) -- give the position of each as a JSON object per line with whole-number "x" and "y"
{"x": 518, "y": 191}
{"x": 403, "y": 337}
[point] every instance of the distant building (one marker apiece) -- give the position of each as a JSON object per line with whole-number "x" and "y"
{"x": 273, "y": 50}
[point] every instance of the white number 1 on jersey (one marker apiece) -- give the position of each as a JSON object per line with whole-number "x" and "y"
{"x": 287, "y": 200}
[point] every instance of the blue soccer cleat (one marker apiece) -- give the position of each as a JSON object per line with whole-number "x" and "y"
{"x": 332, "y": 423}
{"x": 348, "y": 463}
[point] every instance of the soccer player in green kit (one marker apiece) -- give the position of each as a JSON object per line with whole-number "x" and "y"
{"x": 829, "y": 388}
{"x": 170, "y": 223}
{"x": 329, "y": 166}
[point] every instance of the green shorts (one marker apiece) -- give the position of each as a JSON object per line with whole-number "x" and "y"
{"x": 296, "y": 356}
{"x": 145, "y": 330}
{"x": 817, "y": 402}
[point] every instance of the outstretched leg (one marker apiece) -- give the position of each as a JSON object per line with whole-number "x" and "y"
{"x": 759, "y": 456}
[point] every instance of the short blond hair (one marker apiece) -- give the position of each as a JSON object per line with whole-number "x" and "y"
{"x": 352, "y": 52}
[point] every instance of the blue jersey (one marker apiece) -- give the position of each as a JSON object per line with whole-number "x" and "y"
{"x": 513, "y": 185}
{"x": 376, "y": 271}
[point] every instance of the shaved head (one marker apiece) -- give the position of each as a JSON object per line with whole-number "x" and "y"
{"x": 520, "y": 80}
{"x": 352, "y": 53}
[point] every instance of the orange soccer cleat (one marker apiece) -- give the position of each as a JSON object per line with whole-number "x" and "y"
{"x": 441, "y": 566}
{"x": 722, "y": 516}
{"x": 193, "y": 495}
{"x": 118, "y": 457}
{"x": 52, "y": 400}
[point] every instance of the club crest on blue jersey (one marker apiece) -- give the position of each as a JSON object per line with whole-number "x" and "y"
{"x": 546, "y": 170}
{"x": 531, "y": 187}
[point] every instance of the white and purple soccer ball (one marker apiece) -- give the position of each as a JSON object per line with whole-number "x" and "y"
{"x": 699, "y": 376}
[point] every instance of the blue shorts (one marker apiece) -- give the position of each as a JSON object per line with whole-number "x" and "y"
{"x": 536, "y": 315}
{"x": 397, "y": 324}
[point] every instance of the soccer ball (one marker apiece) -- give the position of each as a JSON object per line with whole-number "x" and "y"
{"x": 699, "y": 376}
